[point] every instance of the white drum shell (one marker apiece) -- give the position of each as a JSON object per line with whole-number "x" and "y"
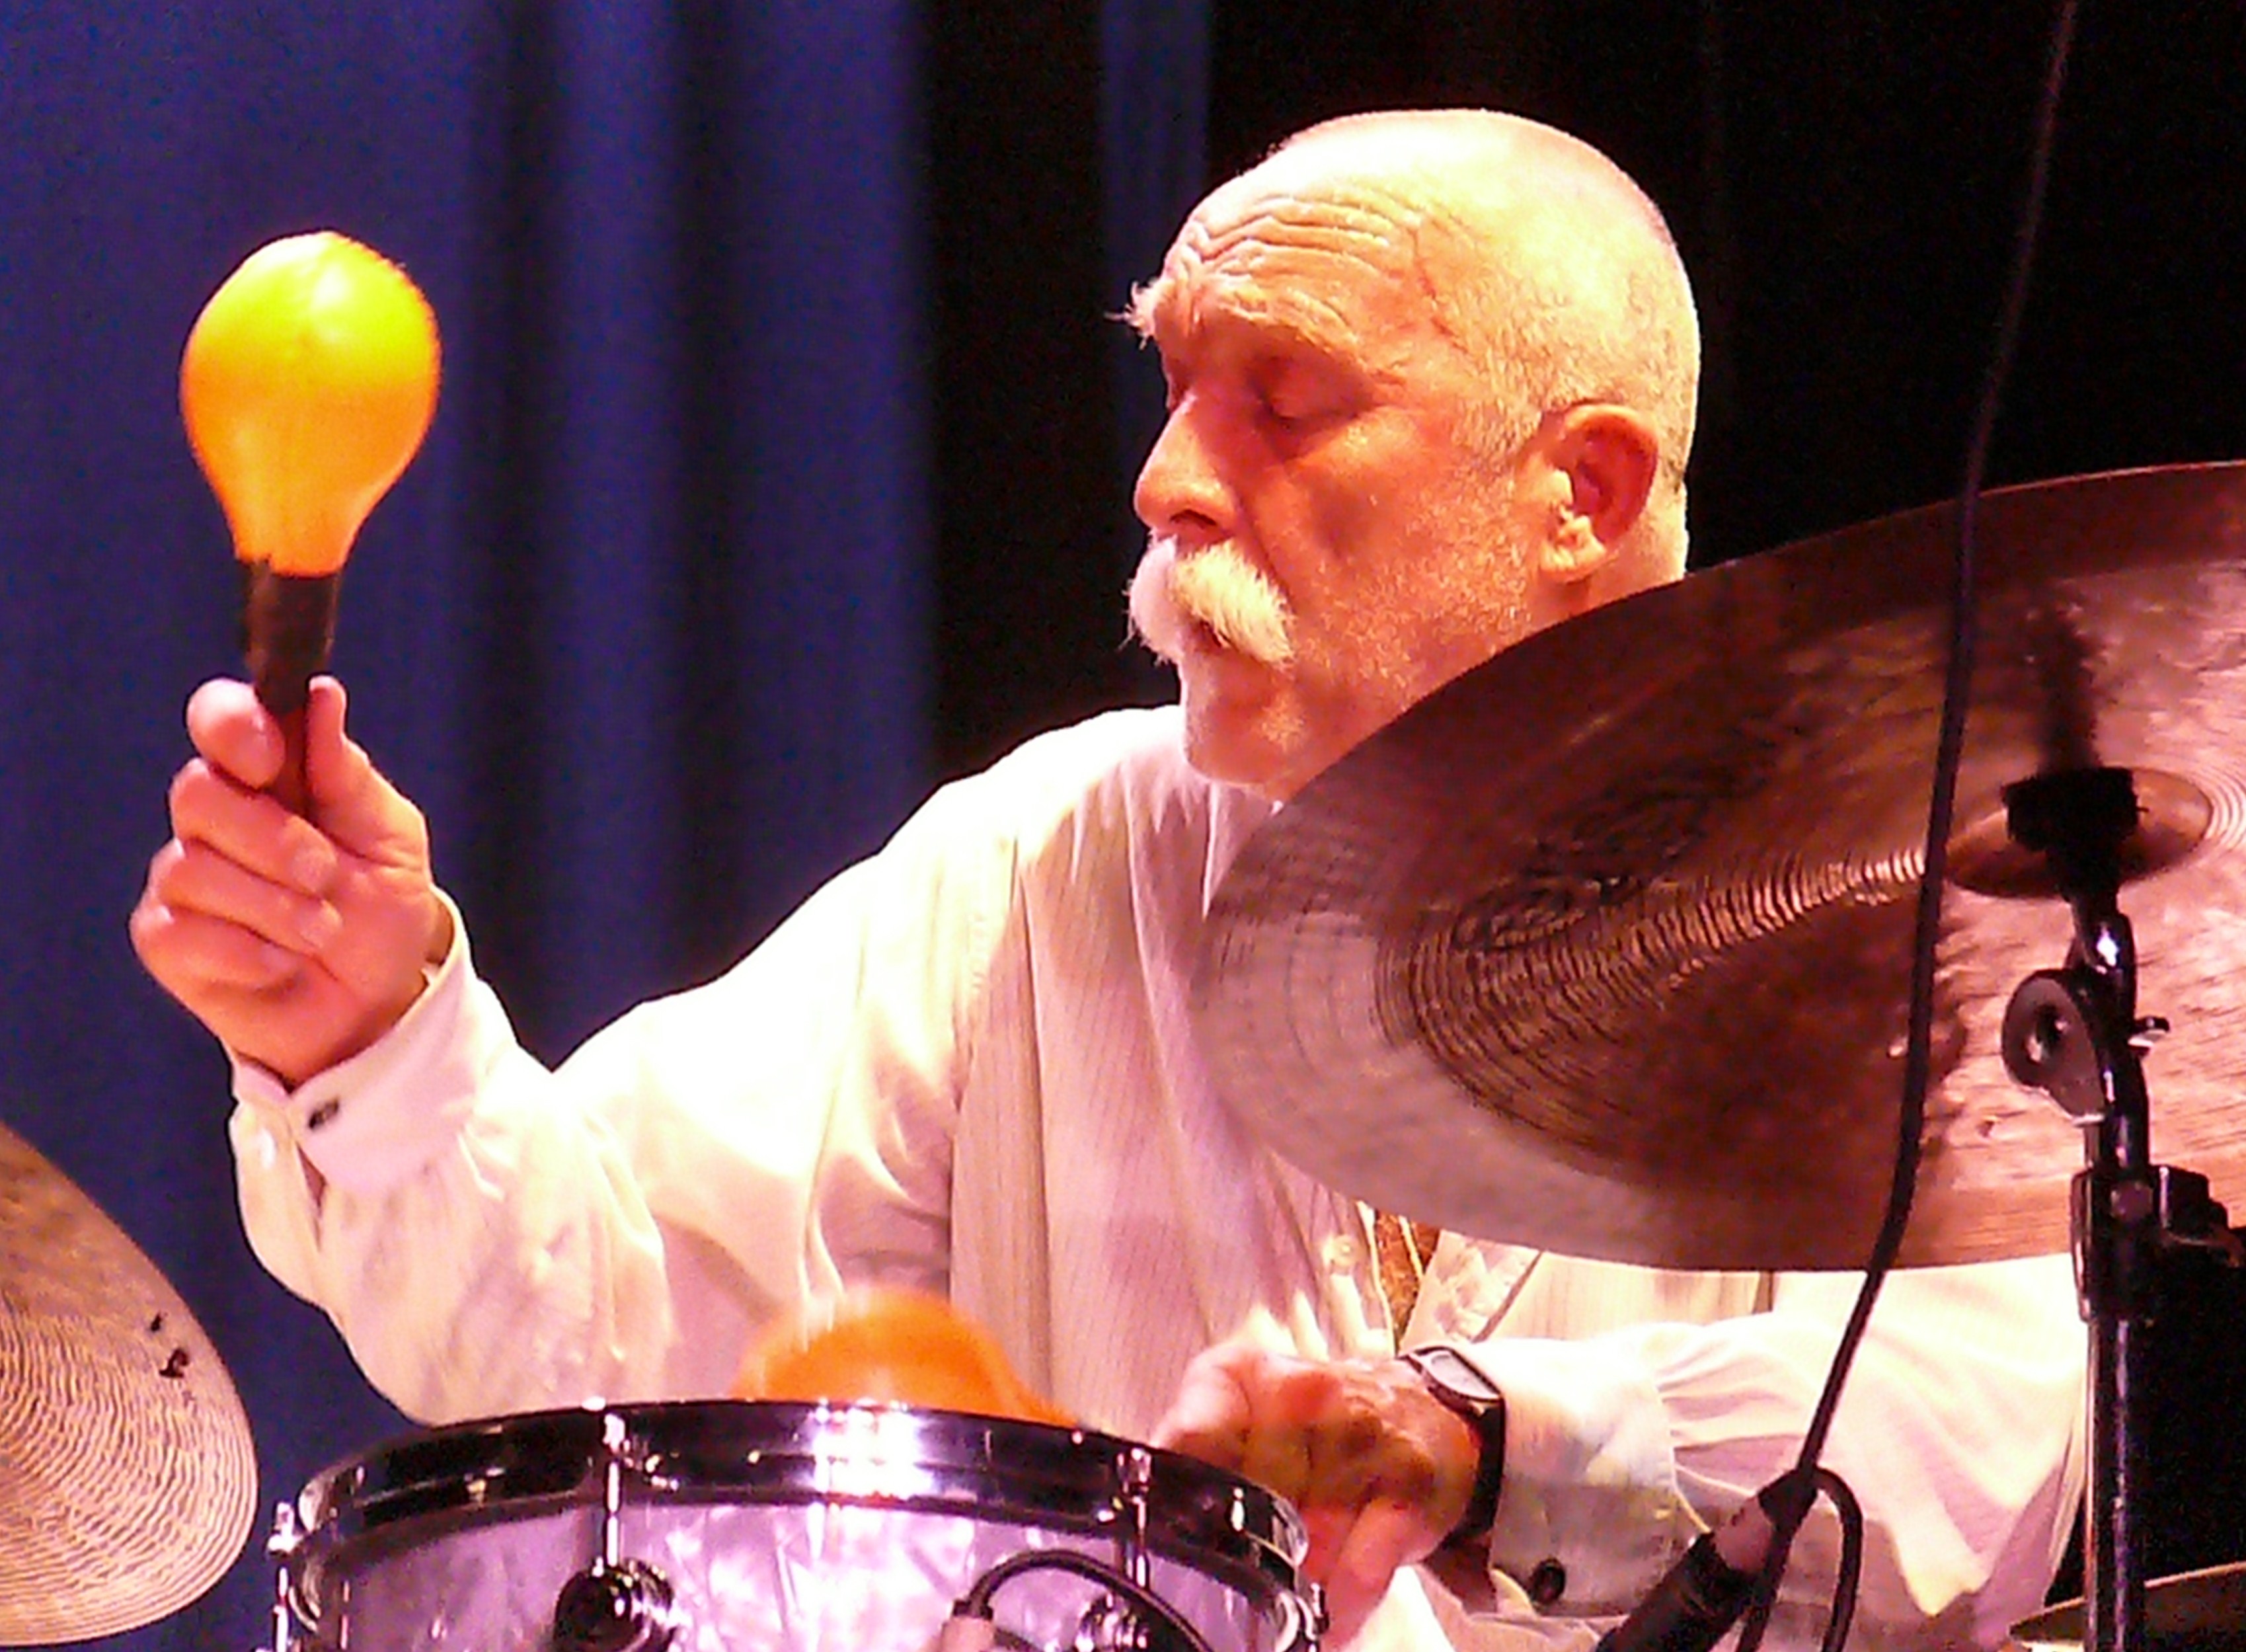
{"x": 853, "y": 1529}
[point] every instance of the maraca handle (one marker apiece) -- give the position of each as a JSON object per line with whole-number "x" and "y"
{"x": 290, "y": 621}
{"x": 290, "y": 788}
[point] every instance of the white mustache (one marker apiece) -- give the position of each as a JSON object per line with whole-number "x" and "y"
{"x": 1217, "y": 587}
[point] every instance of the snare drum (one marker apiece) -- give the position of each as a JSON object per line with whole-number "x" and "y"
{"x": 723, "y": 1527}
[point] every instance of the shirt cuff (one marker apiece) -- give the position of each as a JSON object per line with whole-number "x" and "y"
{"x": 371, "y": 1122}
{"x": 1589, "y": 1513}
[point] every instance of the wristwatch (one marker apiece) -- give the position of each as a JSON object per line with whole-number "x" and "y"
{"x": 1457, "y": 1382}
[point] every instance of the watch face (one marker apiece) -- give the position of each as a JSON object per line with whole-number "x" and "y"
{"x": 1450, "y": 1377}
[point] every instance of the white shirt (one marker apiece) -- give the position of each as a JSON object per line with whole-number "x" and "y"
{"x": 967, "y": 1064}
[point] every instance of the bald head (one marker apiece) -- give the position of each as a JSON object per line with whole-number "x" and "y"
{"x": 1552, "y": 268}
{"x": 1546, "y": 265}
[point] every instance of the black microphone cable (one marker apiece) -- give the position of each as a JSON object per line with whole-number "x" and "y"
{"x": 1948, "y": 749}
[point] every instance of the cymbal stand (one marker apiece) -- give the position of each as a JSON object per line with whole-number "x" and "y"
{"x": 2074, "y": 1032}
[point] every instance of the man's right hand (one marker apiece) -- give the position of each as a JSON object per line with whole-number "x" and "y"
{"x": 299, "y": 940}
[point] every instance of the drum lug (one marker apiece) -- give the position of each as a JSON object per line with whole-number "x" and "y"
{"x": 1107, "y": 1624}
{"x": 1304, "y": 1627}
{"x": 623, "y": 1607}
{"x": 616, "y": 1605}
{"x": 1136, "y": 1473}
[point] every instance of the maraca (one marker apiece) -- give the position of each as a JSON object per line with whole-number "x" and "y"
{"x": 890, "y": 1347}
{"x": 307, "y": 385}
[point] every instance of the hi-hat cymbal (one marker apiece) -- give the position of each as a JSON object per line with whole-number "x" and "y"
{"x": 2201, "y": 1611}
{"x": 1606, "y": 946}
{"x": 127, "y": 1479}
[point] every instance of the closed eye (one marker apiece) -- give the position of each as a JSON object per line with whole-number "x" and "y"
{"x": 1300, "y": 393}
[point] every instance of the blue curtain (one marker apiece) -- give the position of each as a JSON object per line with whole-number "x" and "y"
{"x": 647, "y": 627}
{"x": 1155, "y": 56}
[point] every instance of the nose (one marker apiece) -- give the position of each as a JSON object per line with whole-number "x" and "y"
{"x": 1181, "y": 491}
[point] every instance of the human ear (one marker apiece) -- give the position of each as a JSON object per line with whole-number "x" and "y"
{"x": 1600, "y": 462}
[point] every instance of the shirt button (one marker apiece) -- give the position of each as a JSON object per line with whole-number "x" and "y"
{"x": 1344, "y": 1251}
{"x": 322, "y": 1115}
{"x": 1548, "y": 1583}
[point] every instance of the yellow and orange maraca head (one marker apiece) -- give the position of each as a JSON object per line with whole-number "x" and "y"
{"x": 307, "y": 385}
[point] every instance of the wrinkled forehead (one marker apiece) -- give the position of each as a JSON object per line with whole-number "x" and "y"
{"x": 1291, "y": 246}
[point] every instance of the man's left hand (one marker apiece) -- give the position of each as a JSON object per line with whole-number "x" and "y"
{"x": 1378, "y": 1468}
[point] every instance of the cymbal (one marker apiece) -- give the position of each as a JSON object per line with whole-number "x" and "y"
{"x": 2202, "y": 1611}
{"x": 1605, "y": 947}
{"x": 127, "y": 1477}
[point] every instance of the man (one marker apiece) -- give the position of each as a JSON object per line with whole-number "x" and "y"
{"x": 1431, "y": 388}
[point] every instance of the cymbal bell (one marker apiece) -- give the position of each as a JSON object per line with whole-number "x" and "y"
{"x": 1605, "y": 947}
{"x": 127, "y": 1477}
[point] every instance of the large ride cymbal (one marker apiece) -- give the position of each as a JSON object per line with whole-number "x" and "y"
{"x": 127, "y": 1477}
{"x": 1606, "y": 946}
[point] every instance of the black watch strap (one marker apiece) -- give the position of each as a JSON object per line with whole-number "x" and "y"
{"x": 1459, "y": 1383}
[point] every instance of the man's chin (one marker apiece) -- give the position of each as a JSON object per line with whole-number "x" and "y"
{"x": 1224, "y": 744}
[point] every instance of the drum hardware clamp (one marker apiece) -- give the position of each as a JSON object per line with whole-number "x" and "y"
{"x": 2074, "y": 1033}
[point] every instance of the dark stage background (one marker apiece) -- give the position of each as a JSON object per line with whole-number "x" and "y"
{"x": 783, "y": 461}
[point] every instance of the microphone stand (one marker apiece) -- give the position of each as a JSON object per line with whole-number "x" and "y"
{"x": 2074, "y": 1033}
